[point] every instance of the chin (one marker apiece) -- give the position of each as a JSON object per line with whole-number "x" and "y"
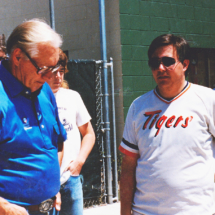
{"x": 163, "y": 85}
{"x": 54, "y": 90}
{"x": 163, "y": 82}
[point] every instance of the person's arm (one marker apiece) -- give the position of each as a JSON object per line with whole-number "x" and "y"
{"x": 57, "y": 201}
{"x": 60, "y": 152}
{"x": 127, "y": 183}
{"x": 87, "y": 144}
{"x": 7, "y": 208}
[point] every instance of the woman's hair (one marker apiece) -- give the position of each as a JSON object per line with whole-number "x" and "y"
{"x": 29, "y": 34}
{"x": 63, "y": 62}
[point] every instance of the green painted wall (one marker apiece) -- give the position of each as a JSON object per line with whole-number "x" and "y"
{"x": 143, "y": 20}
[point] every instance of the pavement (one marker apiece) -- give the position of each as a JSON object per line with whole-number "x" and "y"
{"x": 106, "y": 209}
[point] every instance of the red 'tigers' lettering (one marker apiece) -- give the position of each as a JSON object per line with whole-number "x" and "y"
{"x": 180, "y": 118}
{"x": 169, "y": 121}
{"x": 153, "y": 121}
{"x": 150, "y": 115}
{"x": 159, "y": 122}
{"x": 186, "y": 122}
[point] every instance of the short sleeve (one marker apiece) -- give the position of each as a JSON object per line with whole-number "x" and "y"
{"x": 82, "y": 115}
{"x": 211, "y": 112}
{"x": 129, "y": 145}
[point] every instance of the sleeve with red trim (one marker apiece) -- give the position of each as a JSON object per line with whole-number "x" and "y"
{"x": 129, "y": 145}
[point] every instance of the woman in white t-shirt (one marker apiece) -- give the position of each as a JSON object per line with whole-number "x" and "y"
{"x": 76, "y": 120}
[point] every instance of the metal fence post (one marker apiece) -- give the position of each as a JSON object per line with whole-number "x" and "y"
{"x": 106, "y": 100}
{"x": 52, "y": 16}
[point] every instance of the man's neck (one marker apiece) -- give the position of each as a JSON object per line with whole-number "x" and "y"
{"x": 169, "y": 94}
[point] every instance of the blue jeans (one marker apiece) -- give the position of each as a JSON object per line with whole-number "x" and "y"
{"x": 37, "y": 213}
{"x": 71, "y": 197}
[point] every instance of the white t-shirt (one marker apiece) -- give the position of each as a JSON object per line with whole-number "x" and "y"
{"x": 174, "y": 142}
{"x": 72, "y": 114}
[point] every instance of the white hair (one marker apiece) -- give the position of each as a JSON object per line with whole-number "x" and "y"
{"x": 28, "y": 35}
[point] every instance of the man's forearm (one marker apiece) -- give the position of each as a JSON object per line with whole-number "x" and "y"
{"x": 7, "y": 208}
{"x": 86, "y": 147}
{"x": 127, "y": 185}
{"x": 127, "y": 188}
{"x": 87, "y": 142}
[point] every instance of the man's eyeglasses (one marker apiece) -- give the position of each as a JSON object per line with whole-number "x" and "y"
{"x": 42, "y": 70}
{"x": 168, "y": 62}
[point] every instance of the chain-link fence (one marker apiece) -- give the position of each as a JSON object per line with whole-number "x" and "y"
{"x": 86, "y": 77}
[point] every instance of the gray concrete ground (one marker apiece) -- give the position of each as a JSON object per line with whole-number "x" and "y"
{"x": 107, "y": 209}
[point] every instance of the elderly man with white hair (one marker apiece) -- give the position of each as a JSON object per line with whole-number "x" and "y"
{"x": 31, "y": 135}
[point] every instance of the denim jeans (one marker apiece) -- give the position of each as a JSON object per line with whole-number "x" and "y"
{"x": 37, "y": 213}
{"x": 71, "y": 197}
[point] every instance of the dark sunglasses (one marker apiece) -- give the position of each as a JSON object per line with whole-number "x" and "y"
{"x": 42, "y": 70}
{"x": 155, "y": 62}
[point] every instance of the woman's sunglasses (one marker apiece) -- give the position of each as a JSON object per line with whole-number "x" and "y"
{"x": 168, "y": 62}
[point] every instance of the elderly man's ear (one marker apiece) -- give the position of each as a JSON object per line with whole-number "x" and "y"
{"x": 16, "y": 56}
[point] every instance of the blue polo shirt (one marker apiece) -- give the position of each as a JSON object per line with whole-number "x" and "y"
{"x": 30, "y": 131}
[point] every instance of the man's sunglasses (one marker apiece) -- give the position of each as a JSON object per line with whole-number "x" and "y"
{"x": 168, "y": 62}
{"x": 42, "y": 70}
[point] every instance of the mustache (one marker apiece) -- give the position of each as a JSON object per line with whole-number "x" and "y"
{"x": 162, "y": 76}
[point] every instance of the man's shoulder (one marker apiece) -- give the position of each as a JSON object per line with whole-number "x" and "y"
{"x": 141, "y": 102}
{"x": 204, "y": 94}
{"x": 144, "y": 97}
{"x": 200, "y": 87}
{"x": 202, "y": 91}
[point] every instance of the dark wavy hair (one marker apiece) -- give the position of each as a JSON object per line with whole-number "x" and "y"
{"x": 181, "y": 45}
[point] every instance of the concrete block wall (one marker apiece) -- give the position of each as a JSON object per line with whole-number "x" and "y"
{"x": 143, "y": 20}
{"x": 13, "y": 13}
{"x": 76, "y": 20}
{"x": 114, "y": 51}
